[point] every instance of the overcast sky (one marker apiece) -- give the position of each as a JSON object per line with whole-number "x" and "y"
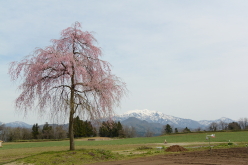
{"x": 185, "y": 58}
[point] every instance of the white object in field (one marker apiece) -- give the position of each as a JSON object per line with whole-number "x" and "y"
{"x": 213, "y": 136}
{"x": 1, "y": 143}
{"x": 165, "y": 141}
{"x": 159, "y": 148}
{"x": 208, "y": 138}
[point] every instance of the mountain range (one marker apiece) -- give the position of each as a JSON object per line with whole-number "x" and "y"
{"x": 142, "y": 126}
{"x": 150, "y": 119}
{"x": 17, "y": 124}
{"x": 161, "y": 118}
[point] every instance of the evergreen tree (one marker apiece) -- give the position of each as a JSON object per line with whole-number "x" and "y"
{"x": 176, "y": 130}
{"x": 186, "y": 130}
{"x": 111, "y": 129}
{"x": 168, "y": 129}
{"x": 120, "y": 130}
{"x": 35, "y": 131}
{"x": 103, "y": 129}
{"x": 47, "y": 131}
{"x": 78, "y": 127}
{"x": 83, "y": 128}
{"x": 234, "y": 126}
{"x": 87, "y": 129}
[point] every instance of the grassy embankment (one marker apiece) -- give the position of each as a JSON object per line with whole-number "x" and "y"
{"x": 57, "y": 151}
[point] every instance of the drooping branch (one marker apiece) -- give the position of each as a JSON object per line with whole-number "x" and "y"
{"x": 68, "y": 77}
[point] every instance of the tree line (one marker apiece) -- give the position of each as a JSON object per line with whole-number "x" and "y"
{"x": 106, "y": 129}
{"x": 241, "y": 124}
{"x": 81, "y": 129}
{"x": 19, "y": 133}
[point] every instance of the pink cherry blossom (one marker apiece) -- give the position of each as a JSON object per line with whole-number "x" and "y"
{"x": 68, "y": 78}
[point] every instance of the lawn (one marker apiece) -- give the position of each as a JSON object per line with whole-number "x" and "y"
{"x": 13, "y": 151}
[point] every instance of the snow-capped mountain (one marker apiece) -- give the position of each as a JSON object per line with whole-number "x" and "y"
{"x": 159, "y": 117}
{"x": 223, "y": 119}
{"x": 18, "y": 124}
{"x": 149, "y": 116}
{"x": 143, "y": 126}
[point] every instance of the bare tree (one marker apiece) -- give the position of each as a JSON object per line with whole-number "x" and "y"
{"x": 149, "y": 133}
{"x": 14, "y": 134}
{"x": 69, "y": 78}
{"x": 59, "y": 132}
{"x": 198, "y": 129}
{"x": 223, "y": 125}
{"x": 213, "y": 126}
{"x": 129, "y": 131}
{"x": 2, "y": 132}
{"x": 243, "y": 122}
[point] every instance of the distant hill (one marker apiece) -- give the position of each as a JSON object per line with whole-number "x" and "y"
{"x": 18, "y": 124}
{"x": 142, "y": 126}
{"x": 159, "y": 117}
{"x": 25, "y": 125}
{"x": 144, "y": 119}
{"x": 207, "y": 122}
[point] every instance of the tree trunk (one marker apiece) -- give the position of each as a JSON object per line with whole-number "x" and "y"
{"x": 71, "y": 133}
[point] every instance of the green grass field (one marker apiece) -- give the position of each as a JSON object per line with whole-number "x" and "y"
{"x": 16, "y": 150}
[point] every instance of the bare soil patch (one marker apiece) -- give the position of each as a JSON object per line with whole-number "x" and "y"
{"x": 231, "y": 156}
{"x": 175, "y": 148}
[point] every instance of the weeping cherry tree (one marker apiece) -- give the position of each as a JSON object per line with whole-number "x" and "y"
{"x": 68, "y": 78}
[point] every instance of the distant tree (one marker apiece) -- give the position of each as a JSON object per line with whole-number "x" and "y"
{"x": 122, "y": 133}
{"x": 26, "y": 134}
{"x": 198, "y": 129}
{"x": 47, "y": 131}
{"x": 176, "y": 130}
{"x": 68, "y": 77}
{"x": 223, "y": 125}
{"x": 149, "y": 133}
{"x": 103, "y": 130}
{"x": 78, "y": 127}
{"x": 120, "y": 130}
{"x": 60, "y": 132}
{"x": 234, "y": 126}
{"x": 168, "y": 129}
{"x": 2, "y": 130}
{"x": 111, "y": 129}
{"x": 129, "y": 131}
{"x": 6, "y": 134}
{"x": 11, "y": 135}
{"x": 83, "y": 128}
{"x": 186, "y": 130}
{"x": 16, "y": 133}
{"x": 243, "y": 122}
{"x": 35, "y": 131}
{"x": 213, "y": 126}
{"x": 1, "y": 127}
{"x": 88, "y": 129}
